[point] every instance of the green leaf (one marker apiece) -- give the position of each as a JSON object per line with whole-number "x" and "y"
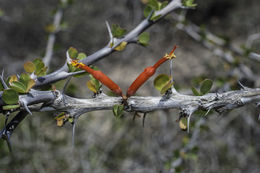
{"x": 27, "y": 81}
{"x": 189, "y": 3}
{"x": 161, "y": 81}
{"x": 42, "y": 72}
{"x": 154, "y": 4}
{"x": 95, "y": 82}
{"x": 206, "y": 86}
{"x": 40, "y": 67}
{"x": 154, "y": 18}
{"x": 24, "y": 78}
{"x": 38, "y": 63}
{"x": 166, "y": 87}
{"x": 91, "y": 86}
{"x": 10, "y": 96}
{"x": 30, "y": 84}
{"x": 147, "y": 11}
{"x": 118, "y": 110}
{"x": 81, "y": 56}
{"x": 10, "y": 107}
{"x": 11, "y": 79}
{"x": 195, "y": 91}
{"x": 73, "y": 52}
{"x": 163, "y": 4}
{"x": 19, "y": 87}
{"x": 117, "y": 31}
{"x": 29, "y": 67}
{"x": 60, "y": 116}
{"x": 144, "y": 38}
{"x": 121, "y": 46}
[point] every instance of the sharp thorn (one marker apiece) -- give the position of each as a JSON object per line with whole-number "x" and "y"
{"x": 109, "y": 31}
{"x": 188, "y": 123}
{"x": 73, "y": 132}
{"x": 241, "y": 85}
{"x": 207, "y": 112}
{"x": 144, "y": 118}
{"x": 27, "y": 109}
{"x": 150, "y": 15}
{"x": 66, "y": 84}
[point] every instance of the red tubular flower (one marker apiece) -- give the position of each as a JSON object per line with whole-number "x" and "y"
{"x": 104, "y": 79}
{"x": 147, "y": 73}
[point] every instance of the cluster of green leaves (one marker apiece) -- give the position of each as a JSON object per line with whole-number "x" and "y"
{"x": 93, "y": 84}
{"x": 36, "y": 67}
{"x": 75, "y": 55}
{"x": 118, "y": 110}
{"x": 205, "y": 87}
{"x": 162, "y": 83}
{"x": 154, "y": 5}
{"x": 23, "y": 83}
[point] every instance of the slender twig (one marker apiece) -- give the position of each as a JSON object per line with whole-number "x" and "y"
{"x": 52, "y": 36}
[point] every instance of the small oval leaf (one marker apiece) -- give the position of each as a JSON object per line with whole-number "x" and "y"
{"x": 161, "y": 81}
{"x": 121, "y": 46}
{"x": 73, "y": 52}
{"x": 40, "y": 69}
{"x": 166, "y": 87}
{"x": 11, "y": 79}
{"x": 19, "y": 87}
{"x": 10, "y": 107}
{"x": 206, "y": 86}
{"x": 10, "y": 96}
{"x": 96, "y": 82}
{"x": 91, "y": 86}
{"x": 30, "y": 84}
{"x": 24, "y": 78}
{"x": 195, "y": 91}
{"x": 117, "y": 31}
{"x": 144, "y": 38}
{"x": 81, "y": 56}
{"x": 29, "y": 67}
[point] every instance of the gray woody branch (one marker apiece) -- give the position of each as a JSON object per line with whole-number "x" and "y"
{"x": 131, "y": 37}
{"x": 185, "y": 103}
{"x": 56, "y": 101}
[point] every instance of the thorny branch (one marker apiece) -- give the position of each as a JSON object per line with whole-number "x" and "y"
{"x": 131, "y": 37}
{"x": 56, "y": 101}
{"x": 59, "y": 102}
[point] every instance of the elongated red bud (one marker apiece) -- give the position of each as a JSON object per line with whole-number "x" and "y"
{"x": 104, "y": 79}
{"x": 147, "y": 73}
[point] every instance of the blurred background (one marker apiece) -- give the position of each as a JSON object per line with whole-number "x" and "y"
{"x": 227, "y": 142}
